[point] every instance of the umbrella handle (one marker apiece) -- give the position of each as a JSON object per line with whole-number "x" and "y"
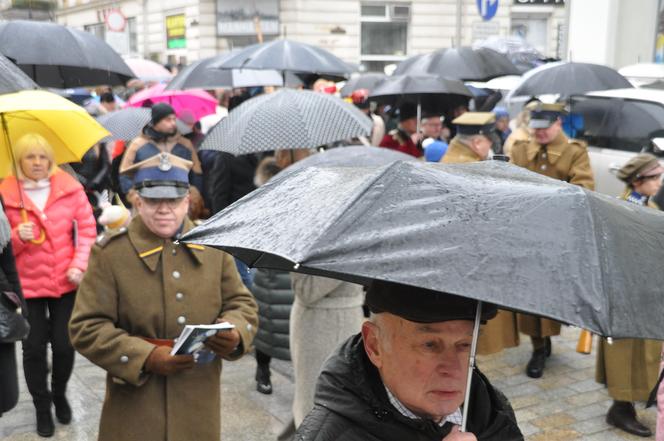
{"x": 471, "y": 365}
{"x": 42, "y": 233}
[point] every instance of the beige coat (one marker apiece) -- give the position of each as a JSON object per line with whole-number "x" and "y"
{"x": 629, "y": 367}
{"x": 139, "y": 285}
{"x": 564, "y": 159}
{"x": 501, "y": 332}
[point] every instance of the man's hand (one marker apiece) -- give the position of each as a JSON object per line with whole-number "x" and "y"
{"x": 455, "y": 435}
{"x": 26, "y": 231}
{"x": 224, "y": 342}
{"x": 161, "y": 362}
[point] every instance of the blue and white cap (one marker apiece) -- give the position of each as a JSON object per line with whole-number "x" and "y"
{"x": 162, "y": 176}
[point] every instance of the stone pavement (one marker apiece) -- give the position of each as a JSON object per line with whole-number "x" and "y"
{"x": 566, "y": 404}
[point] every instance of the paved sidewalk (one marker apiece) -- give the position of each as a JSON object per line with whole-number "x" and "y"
{"x": 566, "y": 404}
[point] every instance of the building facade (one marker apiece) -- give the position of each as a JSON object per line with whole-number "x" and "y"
{"x": 371, "y": 33}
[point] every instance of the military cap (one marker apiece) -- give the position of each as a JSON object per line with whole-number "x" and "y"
{"x": 543, "y": 115}
{"x": 640, "y": 166}
{"x": 475, "y": 123}
{"x": 423, "y": 305}
{"x": 162, "y": 176}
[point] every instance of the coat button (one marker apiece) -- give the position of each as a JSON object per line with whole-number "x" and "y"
{"x": 124, "y": 359}
{"x": 543, "y": 167}
{"x": 179, "y": 296}
{"x": 543, "y": 155}
{"x": 174, "y": 251}
{"x": 182, "y": 320}
{"x": 176, "y": 274}
{"x": 249, "y": 327}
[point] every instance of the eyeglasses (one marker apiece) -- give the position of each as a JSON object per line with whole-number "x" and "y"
{"x": 154, "y": 203}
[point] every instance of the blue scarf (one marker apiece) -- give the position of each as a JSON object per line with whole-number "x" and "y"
{"x": 637, "y": 198}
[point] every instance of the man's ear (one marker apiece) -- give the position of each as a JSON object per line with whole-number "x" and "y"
{"x": 371, "y": 338}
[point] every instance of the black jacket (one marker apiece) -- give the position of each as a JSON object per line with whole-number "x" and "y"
{"x": 351, "y": 405}
{"x": 230, "y": 178}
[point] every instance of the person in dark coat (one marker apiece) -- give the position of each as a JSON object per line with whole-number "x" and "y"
{"x": 229, "y": 179}
{"x": 404, "y": 376}
{"x": 9, "y": 282}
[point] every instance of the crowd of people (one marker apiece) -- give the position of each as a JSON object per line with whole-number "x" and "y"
{"x": 120, "y": 288}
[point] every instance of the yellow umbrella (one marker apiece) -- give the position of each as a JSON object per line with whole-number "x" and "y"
{"x": 67, "y": 127}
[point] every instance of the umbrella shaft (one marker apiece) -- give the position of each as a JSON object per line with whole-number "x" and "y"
{"x": 471, "y": 365}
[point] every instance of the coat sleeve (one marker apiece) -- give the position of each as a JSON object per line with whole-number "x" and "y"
{"x": 87, "y": 231}
{"x": 238, "y": 305}
{"x": 92, "y": 326}
{"x": 581, "y": 173}
{"x": 130, "y": 155}
{"x": 220, "y": 178}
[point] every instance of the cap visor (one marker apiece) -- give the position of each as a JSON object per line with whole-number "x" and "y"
{"x": 658, "y": 170}
{"x": 540, "y": 123}
{"x": 162, "y": 192}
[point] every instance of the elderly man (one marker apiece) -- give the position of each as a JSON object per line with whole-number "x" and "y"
{"x": 473, "y": 139}
{"x": 404, "y": 376}
{"x": 549, "y": 152}
{"x": 141, "y": 288}
{"x": 405, "y": 138}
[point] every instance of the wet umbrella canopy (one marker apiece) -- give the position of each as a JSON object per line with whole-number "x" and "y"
{"x": 58, "y": 56}
{"x": 12, "y": 79}
{"x": 489, "y": 231}
{"x": 350, "y": 156}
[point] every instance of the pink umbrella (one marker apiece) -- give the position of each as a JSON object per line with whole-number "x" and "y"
{"x": 148, "y": 70}
{"x": 196, "y": 102}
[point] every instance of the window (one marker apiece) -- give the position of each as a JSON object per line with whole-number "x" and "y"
{"x": 133, "y": 35}
{"x": 383, "y": 34}
{"x": 97, "y": 29}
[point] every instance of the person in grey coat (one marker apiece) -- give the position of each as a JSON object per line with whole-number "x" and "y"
{"x": 325, "y": 313}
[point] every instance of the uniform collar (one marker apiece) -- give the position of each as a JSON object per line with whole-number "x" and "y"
{"x": 149, "y": 246}
{"x": 554, "y": 149}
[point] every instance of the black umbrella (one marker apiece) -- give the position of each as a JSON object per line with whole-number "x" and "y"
{"x": 57, "y": 56}
{"x": 126, "y": 124}
{"x": 522, "y": 54}
{"x": 287, "y": 119}
{"x": 363, "y": 81}
{"x": 568, "y": 78}
{"x": 613, "y": 122}
{"x": 431, "y": 93}
{"x": 490, "y": 231}
{"x": 289, "y": 56}
{"x": 12, "y": 79}
{"x": 462, "y": 63}
{"x": 200, "y": 75}
{"x": 351, "y": 156}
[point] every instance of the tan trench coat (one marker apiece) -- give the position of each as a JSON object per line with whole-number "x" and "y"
{"x": 139, "y": 285}
{"x": 500, "y": 332}
{"x": 629, "y": 367}
{"x": 564, "y": 159}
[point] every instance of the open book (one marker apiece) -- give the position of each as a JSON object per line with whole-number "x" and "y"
{"x": 192, "y": 340}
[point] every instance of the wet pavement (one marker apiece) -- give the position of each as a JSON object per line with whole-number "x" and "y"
{"x": 566, "y": 404}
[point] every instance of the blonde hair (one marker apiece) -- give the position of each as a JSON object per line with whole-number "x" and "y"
{"x": 28, "y": 143}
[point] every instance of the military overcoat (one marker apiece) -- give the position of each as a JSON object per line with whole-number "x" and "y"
{"x": 501, "y": 332}
{"x": 139, "y": 285}
{"x": 564, "y": 159}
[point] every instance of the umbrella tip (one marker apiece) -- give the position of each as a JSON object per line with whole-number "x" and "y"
{"x": 296, "y": 266}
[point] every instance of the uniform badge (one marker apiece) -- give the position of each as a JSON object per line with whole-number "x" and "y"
{"x": 164, "y": 163}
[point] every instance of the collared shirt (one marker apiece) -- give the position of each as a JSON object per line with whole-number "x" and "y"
{"x": 455, "y": 417}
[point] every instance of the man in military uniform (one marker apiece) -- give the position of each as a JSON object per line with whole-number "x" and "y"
{"x": 473, "y": 143}
{"x": 473, "y": 139}
{"x": 405, "y": 138}
{"x": 141, "y": 288}
{"x": 550, "y": 153}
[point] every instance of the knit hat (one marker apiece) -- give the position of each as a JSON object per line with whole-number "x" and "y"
{"x": 407, "y": 111}
{"x": 161, "y": 111}
{"x": 640, "y": 166}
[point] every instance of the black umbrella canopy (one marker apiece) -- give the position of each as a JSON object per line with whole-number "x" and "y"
{"x": 200, "y": 75}
{"x": 462, "y": 63}
{"x": 522, "y": 54}
{"x": 363, "y": 81}
{"x": 291, "y": 56}
{"x": 435, "y": 94}
{"x": 12, "y": 79}
{"x": 126, "y": 124}
{"x": 287, "y": 119}
{"x": 57, "y": 56}
{"x": 490, "y": 231}
{"x": 351, "y": 156}
{"x": 568, "y": 78}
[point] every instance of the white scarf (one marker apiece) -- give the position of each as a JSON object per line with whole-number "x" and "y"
{"x": 38, "y": 191}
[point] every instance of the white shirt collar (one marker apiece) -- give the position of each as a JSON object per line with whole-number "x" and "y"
{"x": 455, "y": 417}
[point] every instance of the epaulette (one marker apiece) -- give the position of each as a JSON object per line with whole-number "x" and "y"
{"x": 397, "y": 136}
{"x": 106, "y": 237}
{"x": 581, "y": 143}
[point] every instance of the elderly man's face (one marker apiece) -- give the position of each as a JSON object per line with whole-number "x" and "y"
{"x": 163, "y": 216}
{"x": 432, "y": 127}
{"x": 424, "y": 365}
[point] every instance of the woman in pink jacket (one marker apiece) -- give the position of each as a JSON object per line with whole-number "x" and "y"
{"x": 52, "y": 232}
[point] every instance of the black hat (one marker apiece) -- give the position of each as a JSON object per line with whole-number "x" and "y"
{"x": 161, "y": 111}
{"x": 475, "y": 123}
{"x": 407, "y": 111}
{"x": 423, "y": 305}
{"x": 107, "y": 97}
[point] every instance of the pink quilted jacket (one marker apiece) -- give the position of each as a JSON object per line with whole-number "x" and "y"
{"x": 42, "y": 268}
